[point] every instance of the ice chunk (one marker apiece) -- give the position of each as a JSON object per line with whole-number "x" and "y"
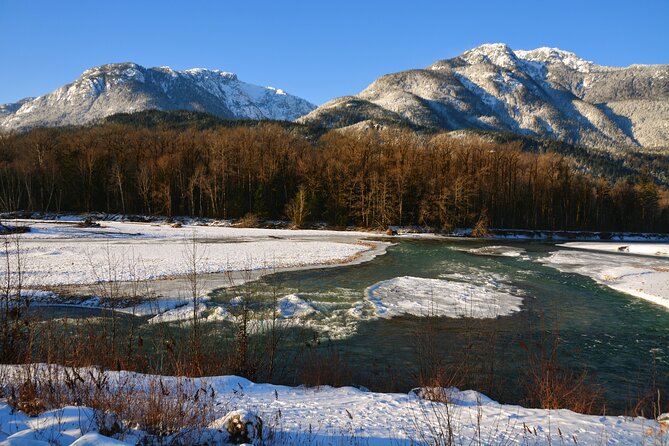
{"x": 436, "y": 297}
{"x": 293, "y": 306}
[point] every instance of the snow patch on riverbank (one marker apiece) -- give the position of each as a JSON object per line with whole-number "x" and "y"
{"x": 292, "y": 306}
{"x": 61, "y": 253}
{"x": 642, "y": 277}
{"x": 648, "y": 249}
{"x": 182, "y": 313}
{"x": 437, "y": 297}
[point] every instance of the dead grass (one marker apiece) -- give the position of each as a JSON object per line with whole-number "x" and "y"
{"x": 121, "y": 403}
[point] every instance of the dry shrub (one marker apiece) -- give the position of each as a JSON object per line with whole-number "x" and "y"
{"x": 433, "y": 374}
{"x": 26, "y": 398}
{"x": 551, "y": 386}
{"x": 249, "y": 220}
{"x": 651, "y": 400}
{"x": 164, "y": 409}
{"x": 481, "y": 229}
{"x": 297, "y": 209}
{"x": 88, "y": 223}
{"x": 160, "y": 407}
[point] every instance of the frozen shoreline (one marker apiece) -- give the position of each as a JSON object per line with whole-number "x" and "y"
{"x": 632, "y": 272}
{"x": 501, "y": 234}
{"x": 647, "y": 249}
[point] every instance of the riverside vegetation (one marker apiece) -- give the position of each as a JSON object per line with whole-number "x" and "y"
{"x": 375, "y": 178}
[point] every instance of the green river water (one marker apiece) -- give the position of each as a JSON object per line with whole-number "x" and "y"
{"x": 619, "y": 340}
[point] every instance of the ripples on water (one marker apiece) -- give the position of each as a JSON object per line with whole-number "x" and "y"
{"x": 617, "y": 338}
{"x": 620, "y": 340}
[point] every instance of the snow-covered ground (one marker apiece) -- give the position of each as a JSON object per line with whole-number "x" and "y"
{"x": 648, "y": 249}
{"x": 61, "y": 253}
{"x": 350, "y": 416}
{"x": 438, "y": 297}
{"x": 640, "y": 276}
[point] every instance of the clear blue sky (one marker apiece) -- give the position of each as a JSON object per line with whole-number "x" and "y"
{"x": 315, "y": 49}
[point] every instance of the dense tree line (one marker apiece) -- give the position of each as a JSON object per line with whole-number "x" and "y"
{"x": 372, "y": 179}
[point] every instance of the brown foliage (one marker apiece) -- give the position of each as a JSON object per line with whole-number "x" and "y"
{"x": 375, "y": 179}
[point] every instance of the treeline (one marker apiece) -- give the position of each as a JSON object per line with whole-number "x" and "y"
{"x": 371, "y": 179}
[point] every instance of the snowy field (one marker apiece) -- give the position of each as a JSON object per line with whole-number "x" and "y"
{"x": 627, "y": 267}
{"x": 62, "y": 253}
{"x": 347, "y": 415}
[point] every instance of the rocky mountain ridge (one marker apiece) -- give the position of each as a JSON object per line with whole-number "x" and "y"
{"x": 546, "y": 92}
{"x": 127, "y": 87}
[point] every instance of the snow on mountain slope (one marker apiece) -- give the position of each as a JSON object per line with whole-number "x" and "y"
{"x": 128, "y": 87}
{"x": 545, "y": 92}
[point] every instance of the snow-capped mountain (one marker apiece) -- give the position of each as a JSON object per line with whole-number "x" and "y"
{"x": 128, "y": 87}
{"x": 545, "y": 92}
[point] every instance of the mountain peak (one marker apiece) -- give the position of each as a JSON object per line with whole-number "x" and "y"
{"x": 545, "y": 92}
{"x": 128, "y": 87}
{"x": 206, "y": 72}
{"x": 112, "y": 68}
{"x": 499, "y": 54}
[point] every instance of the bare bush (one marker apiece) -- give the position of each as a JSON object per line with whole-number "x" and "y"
{"x": 249, "y": 220}
{"x": 323, "y": 365}
{"x": 552, "y": 386}
{"x": 165, "y": 410}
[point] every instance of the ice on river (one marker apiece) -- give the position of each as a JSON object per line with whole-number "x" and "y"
{"x": 649, "y": 249}
{"x": 294, "y": 306}
{"x": 497, "y": 251}
{"x": 437, "y": 297}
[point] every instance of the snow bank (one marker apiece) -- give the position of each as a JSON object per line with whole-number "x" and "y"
{"x": 348, "y": 415}
{"x": 60, "y": 426}
{"x": 649, "y": 249}
{"x": 437, "y": 297}
{"x": 94, "y": 439}
{"x": 288, "y": 307}
{"x": 220, "y": 314}
{"x": 183, "y": 313}
{"x": 639, "y": 276}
